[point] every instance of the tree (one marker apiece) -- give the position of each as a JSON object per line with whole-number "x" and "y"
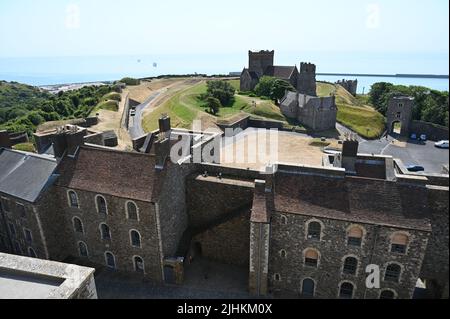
{"x": 272, "y": 88}
{"x": 213, "y": 104}
{"x": 221, "y": 90}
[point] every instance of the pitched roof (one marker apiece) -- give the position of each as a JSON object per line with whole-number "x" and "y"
{"x": 102, "y": 171}
{"x": 281, "y": 72}
{"x": 25, "y": 175}
{"x": 353, "y": 199}
{"x": 252, "y": 74}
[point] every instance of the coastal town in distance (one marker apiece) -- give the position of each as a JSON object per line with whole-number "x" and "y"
{"x": 261, "y": 170}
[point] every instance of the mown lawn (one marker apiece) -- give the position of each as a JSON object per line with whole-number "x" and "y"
{"x": 354, "y": 112}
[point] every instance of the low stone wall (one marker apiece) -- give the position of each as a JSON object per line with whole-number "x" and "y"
{"x": 434, "y": 132}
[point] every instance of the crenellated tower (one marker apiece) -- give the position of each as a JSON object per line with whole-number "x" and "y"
{"x": 260, "y": 61}
{"x": 307, "y": 79}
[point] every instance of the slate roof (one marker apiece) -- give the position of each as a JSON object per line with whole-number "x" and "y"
{"x": 109, "y": 172}
{"x": 252, "y": 74}
{"x": 281, "y": 72}
{"x": 353, "y": 199}
{"x": 25, "y": 175}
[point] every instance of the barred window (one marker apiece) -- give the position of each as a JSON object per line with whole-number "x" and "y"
{"x": 350, "y": 266}
{"x": 346, "y": 291}
{"x": 101, "y": 205}
{"x": 393, "y": 272}
{"x": 355, "y": 236}
{"x": 314, "y": 231}
{"x": 132, "y": 211}
{"x": 105, "y": 231}
{"x": 135, "y": 238}
{"x": 73, "y": 199}
{"x": 110, "y": 260}
{"x": 399, "y": 243}
{"x": 311, "y": 258}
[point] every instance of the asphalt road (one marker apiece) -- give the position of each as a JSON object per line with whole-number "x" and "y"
{"x": 415, "y": 153}
{"x": 136, "y": 129}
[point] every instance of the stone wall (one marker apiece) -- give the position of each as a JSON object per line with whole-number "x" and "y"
{"x": 436, "y": 263}
{"x": 211, "y": 198}
{"x": 333, "y": 249}
{"x": 432, "y": 131}
{"x": 120, "y": 227}
{"x": 227, "y": 243}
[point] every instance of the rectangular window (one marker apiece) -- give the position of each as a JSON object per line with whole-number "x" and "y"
{"x": 21, "y": 210}
{"x": 399, "y": 249}
{"x": 311, "y": 262}
{"x": 353, "y": 241}
{"x": 28, "y": 236}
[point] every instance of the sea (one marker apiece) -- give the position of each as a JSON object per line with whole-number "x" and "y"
{"x": 44, "y": 71}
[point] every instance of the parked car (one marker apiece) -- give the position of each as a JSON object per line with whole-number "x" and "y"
{"x": 423, "y": 137}
{"x": 414, "y": 137}
{"x": 415, "y": 168}
{"x": 133, "y": 113}
{"x": 442, "y": 144}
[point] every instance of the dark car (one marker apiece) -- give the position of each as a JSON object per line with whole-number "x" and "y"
{"x": 415, "y": 168}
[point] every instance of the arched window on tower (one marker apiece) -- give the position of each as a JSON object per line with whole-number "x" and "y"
{"x": 399, "y": 243}
{"x": 135, "y": 238}
{"x": 346, "y": 290}
{"x": 132, "y": 211}
{"x": 355, "y": 237}
{"x": 311, "y": 258}
{"x": 308, "y": 288}
{"x": 139, "y": 264}
{"x": 350, "y": 266}
{"x": 393, "y": 272}
{"x": 101, "y": 205}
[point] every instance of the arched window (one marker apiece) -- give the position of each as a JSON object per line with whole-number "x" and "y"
{"x": 135, "y": 238}
{"x": 139, "y": 264}
{"x": 110, "y": 260}
{"x": 277, "y": 277}
{"x": 355, "y": 236}
{"x": 283, "y": 220}
{"x": 399, "y": 243}
{"x": 311, "y": 258}
{"x": 105, "y": 231}
{"x": 350, "y": 266}
{"x": 32, "y": 253}
{"x": 132, "y": 211}
{"x": 393, "y": 272}
{"x": 346, "y": 290}
{"x": 102, "y": 208}
{"x": 283, "y": 253}
{"x": 82, "y": 247}
{"x": 73, "y": 199}
{"x": 78, "y": 225}
{"x": 308, "y": 288}
{"x": 314, "y": 231}
{"x": 387, "y": 294}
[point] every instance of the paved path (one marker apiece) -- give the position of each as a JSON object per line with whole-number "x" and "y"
{"x": 136, "y": 129}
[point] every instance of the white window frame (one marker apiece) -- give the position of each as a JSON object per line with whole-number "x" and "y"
{"x": 322, "y": 227}
{"x": 106, "y": 260}
{"x": 134, "y": 263}
{"x": 101, "y": 232}
{"x": 69, "y": 201}
{"x": 137, "y": 210}
{"x": 96, "y": 204}
{"x": 131, "y": 238}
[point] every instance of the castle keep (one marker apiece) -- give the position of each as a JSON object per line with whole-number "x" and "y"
{"x": 301, "y": 231}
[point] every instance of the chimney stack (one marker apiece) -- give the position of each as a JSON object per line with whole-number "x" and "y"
{"x": 349, "y": 155}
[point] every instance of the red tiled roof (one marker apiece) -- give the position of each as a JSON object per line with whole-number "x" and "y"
{"x": 120, "y": 174}
{"x": 353, "y": 199}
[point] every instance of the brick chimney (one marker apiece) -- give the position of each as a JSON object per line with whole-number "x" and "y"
{"x": 67, "y": 139}
{"x": 349, "y": 155}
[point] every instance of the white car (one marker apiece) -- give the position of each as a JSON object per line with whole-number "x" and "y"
{"x": 442, "y": 144}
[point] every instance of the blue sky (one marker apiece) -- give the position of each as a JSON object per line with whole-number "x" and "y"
{"x": 30, "y": 28}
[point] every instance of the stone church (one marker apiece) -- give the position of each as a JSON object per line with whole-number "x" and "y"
{"x": 262, "y": 64}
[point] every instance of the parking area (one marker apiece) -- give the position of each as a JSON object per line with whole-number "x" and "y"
{"x": 410, "y": 152}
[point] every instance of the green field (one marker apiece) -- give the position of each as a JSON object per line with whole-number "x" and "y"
{"x": 353, "y": 112}
{"x": 185, "y": 106}
{"x": 109, "y": 105}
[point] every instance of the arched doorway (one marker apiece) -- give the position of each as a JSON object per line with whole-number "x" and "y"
{"x": 308, "y": 288}
{"x": 396, "y": 128}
